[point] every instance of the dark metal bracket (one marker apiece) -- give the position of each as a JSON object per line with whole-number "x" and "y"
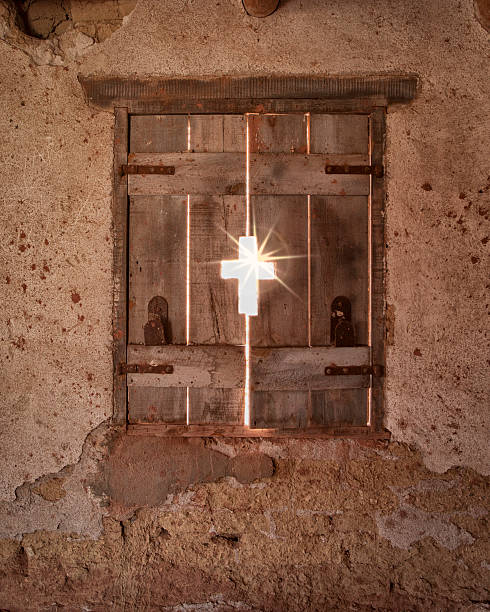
{"x": 375, "y": 370}
{"x": 145, "y": 368}
{"x": 138, "y": 169}
{"x": 377, "y": 170}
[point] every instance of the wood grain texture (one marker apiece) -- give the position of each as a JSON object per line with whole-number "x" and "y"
{"x": 305, "y": 174}
{"x": 157, "y": 263}
{"x": 195, "y": 173}
{"x": 214, "y": 317}
{"x": 120, "y": 253}
{"x": 280, "y": 409}
{"x": 339, "y": 407}
{"x": 153, "y": 404}
{"x": 378, "y": 334}
{"x": 153, "y": 95}
{"x": 339, "y": 262}
{"x": 212, "y": 366}
{"x": 158, "y": 133}
{"x": 281, "y": 223}
{"x": 235, "y": 133}
{"x": 281, "y": 226}
{"x": 303, "y": 369}
{"x": 339, "y": 134}
{"x": 223, "y": 173}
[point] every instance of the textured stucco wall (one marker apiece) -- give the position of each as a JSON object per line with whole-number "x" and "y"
{"x": 331, "y": 511}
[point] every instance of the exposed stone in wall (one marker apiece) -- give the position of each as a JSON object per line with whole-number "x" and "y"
{"x": 368, "y": 528}
{"x": 55, "y": 32}
{"x": 482, "y": 10}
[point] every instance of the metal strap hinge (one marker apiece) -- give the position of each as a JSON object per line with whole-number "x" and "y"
{"x": 377, "y": 170}
{"x": 366, "y": 370}
{"x": 145, "y": 368}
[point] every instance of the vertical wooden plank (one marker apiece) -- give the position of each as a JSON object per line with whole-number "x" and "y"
{"x": 339, "y": 262}
{"x": 214, "y": 317}
{"x": 157, "y": 404}
{"x": 157, "y": 267}
{"x": 339, "y": 407}
{"x": 377, "y": 134}
{"x": 157, "y": 263}
{"x": 338, "y": 134}
{"x": 277, "y": 133}
{"x": 120, "y": 254}
{"x": 281, "y": 225}
{"x": 280, "y": 409}
{"x": 206, "y": 133}
{"x": 158, "y": 133}
{"x": 234, "y": 133}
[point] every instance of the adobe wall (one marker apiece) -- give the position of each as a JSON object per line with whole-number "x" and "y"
{"x": 92, "y": 521}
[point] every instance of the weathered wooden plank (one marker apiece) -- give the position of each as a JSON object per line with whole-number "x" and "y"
{"x": 277, "y": 133}
{"x": 218, "y": 406}
{"x": 280, "y": 224}
{"x": 206, "y": 133}
{"x": 236, "y": 431}
{"x": 158, "y": 133}
{"x": 305, "y": 174}
{"x": 341, "y": 134}
{"x": 213, "y": 366}
{"x": 150, "y": 404}
{"x": 161, "y": 93}
{"x": 339, "y": 263}
{"x": 195, "y": 173}
{"x": 157, "y": 263}
{"x": 280, "y": 409}
{"x": 213, "y": 106}
{"x": 303, "y": 369}
{"x": 214, "y": 317}
{"x": 224, "y": 173}
{"x": 120, "y": 253}
{"x": 235, "y": 133}
{"x": 378, "y": 132}
{"x": 339, "y": 407}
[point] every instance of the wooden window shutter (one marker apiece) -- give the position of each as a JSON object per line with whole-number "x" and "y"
{"x": 317, "y": 220}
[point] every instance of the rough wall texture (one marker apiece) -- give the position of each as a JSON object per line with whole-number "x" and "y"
{"x": 306, "y": 525}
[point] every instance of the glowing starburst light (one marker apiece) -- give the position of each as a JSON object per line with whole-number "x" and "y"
{"x": 249, "y": 268}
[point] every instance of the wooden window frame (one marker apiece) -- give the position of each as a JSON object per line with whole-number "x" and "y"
{"x": 361, "y": 95}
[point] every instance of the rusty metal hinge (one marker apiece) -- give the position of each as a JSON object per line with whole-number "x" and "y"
{"x": 138, "y": 169}
{"x": 145, "y": 368}
{"x": 375, "y": 370}
{"x": 377, "y": 170}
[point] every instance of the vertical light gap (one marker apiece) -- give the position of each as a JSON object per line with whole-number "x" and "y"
{"x": 188, "y": 275}
{"x": 369, "y": 271}
{"x": 246, "y": 410}
{"x": 308, "y": 151}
